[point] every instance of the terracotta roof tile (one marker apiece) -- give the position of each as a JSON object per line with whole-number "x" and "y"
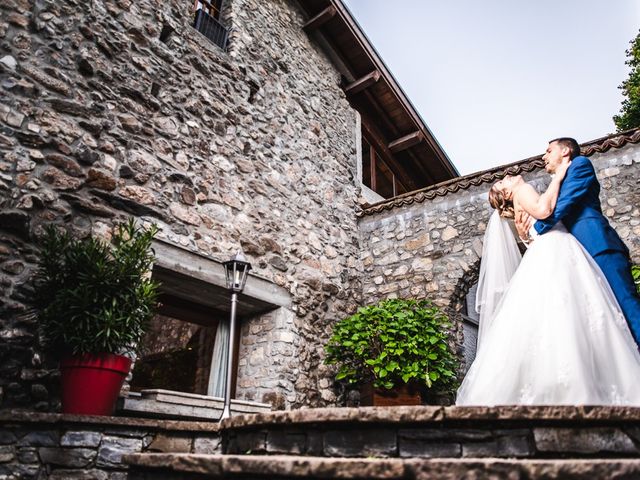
{"x": 599, "y": 145}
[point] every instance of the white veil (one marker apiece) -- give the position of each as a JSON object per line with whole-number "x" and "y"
{"x": 500, "y": 259}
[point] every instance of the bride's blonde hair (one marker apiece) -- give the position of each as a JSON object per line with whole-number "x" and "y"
{"x": 498, "y": 200}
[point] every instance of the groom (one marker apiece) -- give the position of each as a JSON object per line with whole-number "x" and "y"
{"x": 578, "y": 207}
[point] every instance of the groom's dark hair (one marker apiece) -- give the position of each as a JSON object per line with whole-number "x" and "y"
{"x": 570, "y": 143}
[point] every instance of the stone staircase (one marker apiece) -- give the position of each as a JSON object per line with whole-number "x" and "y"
{"x": 414, "y": 443}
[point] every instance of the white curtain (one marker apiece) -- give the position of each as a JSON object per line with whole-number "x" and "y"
{"x": 219, "y": 360}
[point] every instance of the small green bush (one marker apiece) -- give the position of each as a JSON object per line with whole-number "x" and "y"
{"x": 92, "y": 296}
{"x": 635, "y": 271}
{"x": 395, "y": 341}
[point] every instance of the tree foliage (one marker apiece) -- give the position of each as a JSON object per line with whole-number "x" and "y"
{"x": 629, "y": 116}
{"x": 395, "y": 341}
{"x": 92, "y": 296}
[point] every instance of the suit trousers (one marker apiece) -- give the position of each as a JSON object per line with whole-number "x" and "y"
{"x": 617, "y": 268}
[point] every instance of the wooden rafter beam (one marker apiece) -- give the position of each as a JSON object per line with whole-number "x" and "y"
{"x": 420, "y": 168}
{"x": 362, "y": 83}
{"x": 406, "y": 142}
{"x": 320, "y": 19}
{"x": 365, "y": 45}
{"x": 374, "y": 137}
{"x": 372, "y": 169}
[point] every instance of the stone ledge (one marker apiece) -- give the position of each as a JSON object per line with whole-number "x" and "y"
{"x": 271, "y": 465}
{"x": 168, "y": 466}
{"x": 13, "y": 417}
{"x": 439, "y": 432}
{"x": 586, "y": 415}
{"x": 524, "y": 469}
{"x": 168, "y": 404}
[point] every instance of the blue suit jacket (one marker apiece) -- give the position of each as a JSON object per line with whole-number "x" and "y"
{"x": 578, "y": 207}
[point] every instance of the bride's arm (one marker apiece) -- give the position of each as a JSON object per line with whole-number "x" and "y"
{"x": 541, "y": 206}
{"x": 538, "y": 206}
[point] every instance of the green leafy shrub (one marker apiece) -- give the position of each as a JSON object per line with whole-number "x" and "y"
{"x": 92, "y": 296}
{"x": 395, "y": 341}
{"x": 635, "y": 271}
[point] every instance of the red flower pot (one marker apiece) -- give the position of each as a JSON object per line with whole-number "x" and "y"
{"x": 91, "y": 382}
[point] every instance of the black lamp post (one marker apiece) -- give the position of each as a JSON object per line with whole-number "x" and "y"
{"x": 236, "y": 271}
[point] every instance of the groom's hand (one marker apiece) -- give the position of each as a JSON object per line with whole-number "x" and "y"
{"x": 524, "y": 222}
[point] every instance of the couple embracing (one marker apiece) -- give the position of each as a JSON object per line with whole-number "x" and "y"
{"x": 560, "y": 325}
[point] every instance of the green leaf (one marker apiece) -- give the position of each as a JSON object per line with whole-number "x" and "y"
{"x": 397, "y": 340}
{"x": 92, "y": 296}
{"x": 629, "y": 116}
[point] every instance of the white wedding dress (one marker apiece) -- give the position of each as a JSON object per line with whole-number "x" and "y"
{"x": 557, "y": 337}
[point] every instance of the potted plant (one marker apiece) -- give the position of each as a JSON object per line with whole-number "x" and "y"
{"x": 395, "y": 344}
{"x": 93, "y": 300}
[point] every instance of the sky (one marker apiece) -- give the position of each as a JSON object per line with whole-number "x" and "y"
{"x": 495, "y": 80}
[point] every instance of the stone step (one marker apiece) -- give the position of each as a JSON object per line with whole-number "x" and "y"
{"x": 438, "y": 432}
{"x": 280, "y": 467}
{"x": 158, "y": 403}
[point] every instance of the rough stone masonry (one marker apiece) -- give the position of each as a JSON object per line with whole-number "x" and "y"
{"x": 252, "y": 149}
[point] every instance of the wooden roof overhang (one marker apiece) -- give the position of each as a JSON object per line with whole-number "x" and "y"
{"x": 389, "y": 120}
{"x": 487, "y": 177}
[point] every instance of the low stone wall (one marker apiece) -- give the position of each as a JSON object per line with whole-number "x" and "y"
{"x": 429, "y": 244}
{"x": 62, "y": 447}
{"x": 186, "y": 467}
{"x": 439, "y": 432}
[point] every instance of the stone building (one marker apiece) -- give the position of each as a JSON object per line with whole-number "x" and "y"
{"x": 234, "y": 126}
{"x": 271, "y": 128}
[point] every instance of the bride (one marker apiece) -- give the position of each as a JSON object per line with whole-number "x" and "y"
{"x": 551, "y": 331}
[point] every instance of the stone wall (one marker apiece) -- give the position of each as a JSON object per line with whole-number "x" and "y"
{"x": 268, "y": 364}
{"x": 431, "y": 248}
{"x": 252, "y": 149}
{"x": 61, "y": 447}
